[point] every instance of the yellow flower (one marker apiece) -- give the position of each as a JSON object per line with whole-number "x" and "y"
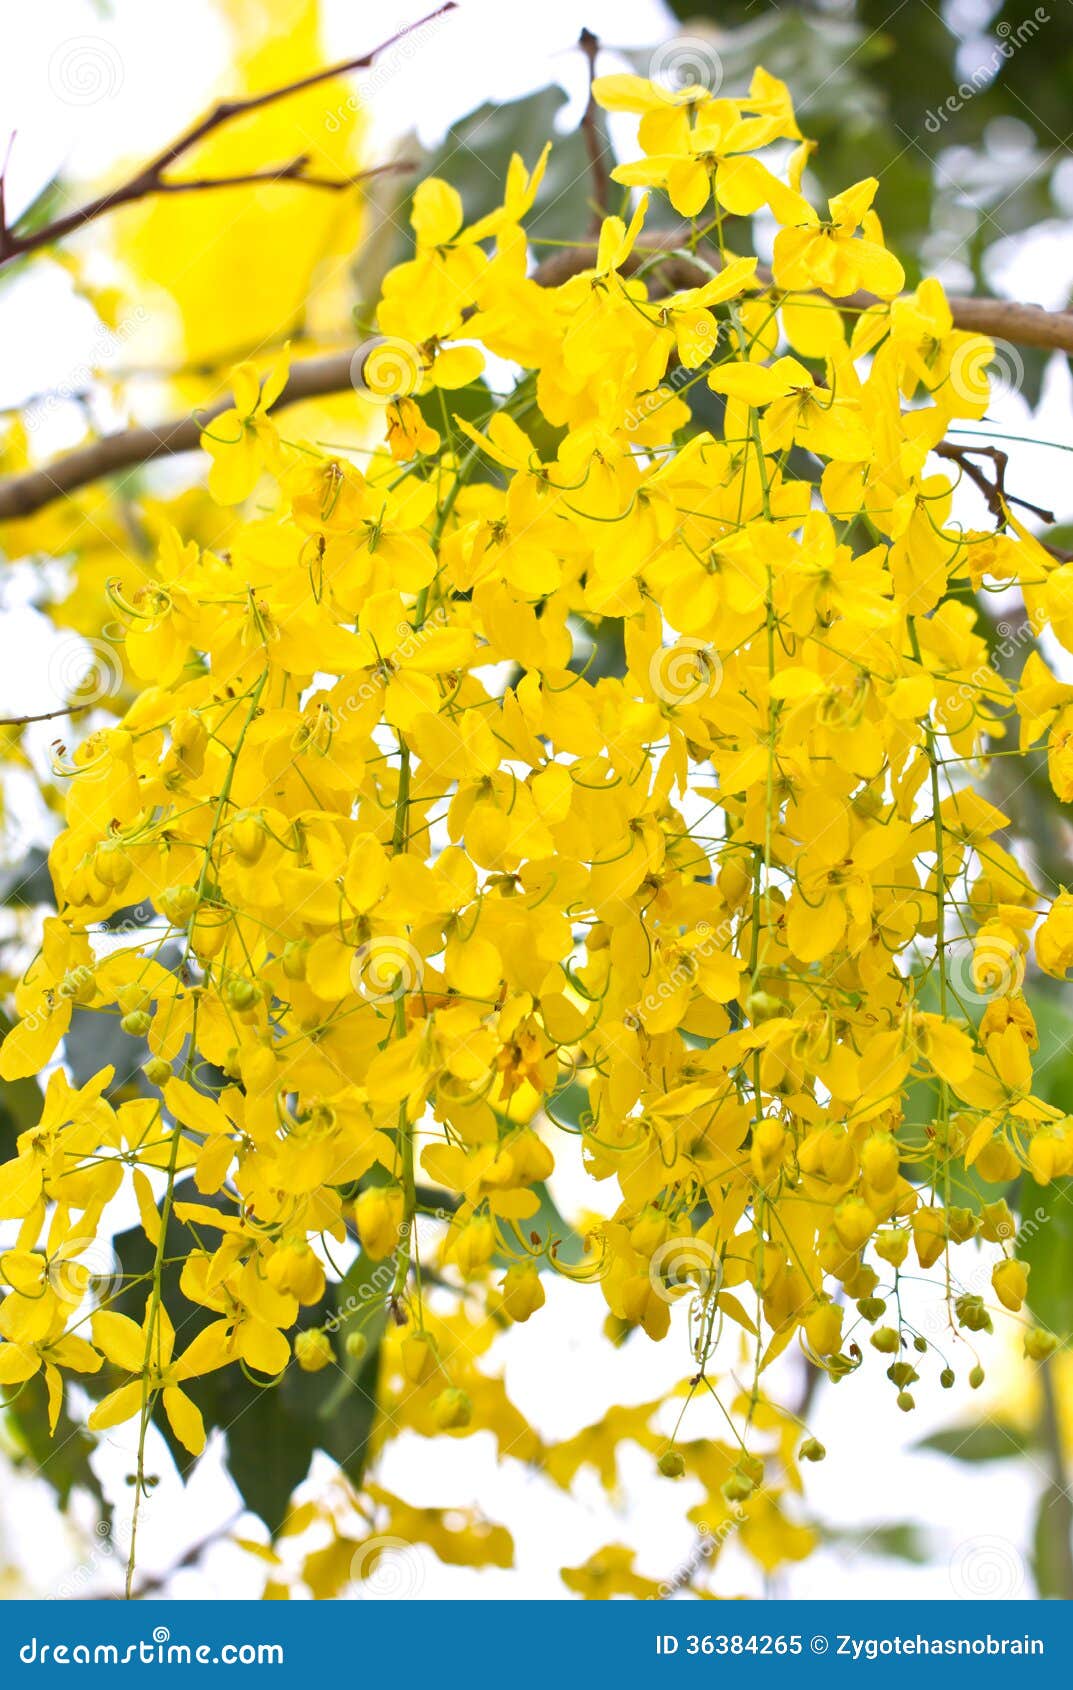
{"x": 146, "y": 1352}
{"x": 241, "y": 441}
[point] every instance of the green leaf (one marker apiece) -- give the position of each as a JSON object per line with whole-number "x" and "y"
{"x": 27, "y": 883}
{"x": 1045, "y": 1242}
{"x": 268, "y": 1447}
{"x": 991, "y": 1440}
{"x": 901, "y": 1540}
{"x": 346, "y": 1409}
{"x": 62, "y": 1459}
{"x": 477, "y": 150}
{"x": 272, "y": 1430}
{"x": 1050, "y": 1544}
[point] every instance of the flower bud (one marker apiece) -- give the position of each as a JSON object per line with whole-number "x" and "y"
{"x": 879, "y": 1161}
{"x": 418, "y": 1358}
{"x": 854, "y": 1222}
{"x": 379, "y": 1213}
{"x": 474, "y": 1245}
{"x": 886, "y": 1340}
{"x": 178, "y": 903}
{"x": 356, "y": 1345}
{"x": 1039, "y": 1344}
{"x": 1010, "y": 1280}
{"x": 892, "y": 1245}
{"x": 313, "y": 1350}
{"x": 523, "y": 1293}
{"x": 248, "y": 835}
{"x": 452, "y": 1410}
{"x": 823, "y": 1329}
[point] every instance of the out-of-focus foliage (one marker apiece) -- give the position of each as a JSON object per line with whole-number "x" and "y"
{"x": 243, "y": 269}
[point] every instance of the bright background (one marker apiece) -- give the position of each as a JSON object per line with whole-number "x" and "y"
{"x": 157, "y": 66}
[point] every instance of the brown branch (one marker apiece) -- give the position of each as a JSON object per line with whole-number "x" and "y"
{"x": 3, "y": 186}
{"x": 1000, "y": 319}
{"x": 591, "y": 129}
{"x": 297, "y": 170}
{"x": 21, "y": 495}
{"x": 46, "y": 716}
{"x": 315, "y": 378}
{"x": 994, "y": 492}
{"x": 151, "y": 179}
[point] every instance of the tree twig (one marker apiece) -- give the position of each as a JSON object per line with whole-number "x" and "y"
{"x": 45, "y": 716}
{"x": 3, "y": 186}
{"x": 994, "y": 492}
{"x": 21, "y": 495}
{"x": 1000, "y": 319}
{"x": 151, "y": 179}
{"x": 595, "y": 142}
{"x": 315, "y": 378}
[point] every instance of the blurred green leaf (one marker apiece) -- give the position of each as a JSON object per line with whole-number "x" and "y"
{"x": 900, "y": 1539}
{"x": 990, "y": 1440}
{"x": 1050, "y": 1544}
{"x": 1045, "y": 1242}
{"x": 26, "y": 883}
{"x": 477, "y": 150}
{"x": 60, "y": 1458}
{"x": 272, "y": 1430}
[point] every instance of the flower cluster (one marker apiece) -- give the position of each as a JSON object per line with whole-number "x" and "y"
{"x": 590, "y": 774}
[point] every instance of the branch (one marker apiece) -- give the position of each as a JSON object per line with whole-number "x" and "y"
{"x": 151, "y": 179}
{"x": 591, "y": 129}
{"x": 1000, "y": 319}
{"x": 994, "y": 492}
{"x": 45, "y": 716}
{"x": 315, "y": 378}
{"x": 21, "y": 495}
{"x": 297, "y": 170}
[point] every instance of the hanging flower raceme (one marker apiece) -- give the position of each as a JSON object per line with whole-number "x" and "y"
{"x": 570, "y": 785}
